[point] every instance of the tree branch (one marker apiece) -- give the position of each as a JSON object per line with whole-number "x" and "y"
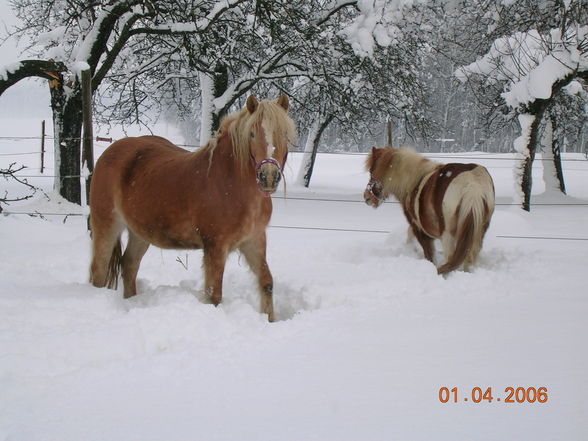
{"x": 48, "y": 69}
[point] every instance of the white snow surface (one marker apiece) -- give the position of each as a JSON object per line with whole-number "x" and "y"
{"x": 367, "y": 332}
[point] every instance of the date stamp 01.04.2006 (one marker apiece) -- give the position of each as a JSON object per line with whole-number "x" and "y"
{"x": 511, "y": 395}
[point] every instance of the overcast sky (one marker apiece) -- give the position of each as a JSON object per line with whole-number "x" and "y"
{"x": 8, "y": 52}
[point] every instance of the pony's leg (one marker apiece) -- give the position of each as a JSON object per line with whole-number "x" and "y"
{"x": 426, "y": 243}
{"x": 105, "y": 244}
{"x": 131, "y": 259}
{"x": 215, "y": 257}
{"x": 448, "y": 244}
{"x": 254, "y": 251}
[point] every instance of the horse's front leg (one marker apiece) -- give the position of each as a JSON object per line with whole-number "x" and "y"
{"x": 254, "y": 251}
{"x": 215, "y": 257}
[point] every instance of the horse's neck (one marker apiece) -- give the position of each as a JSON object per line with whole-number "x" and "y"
{"x": 220, "y": 158}
{"x": 408, "y": 171}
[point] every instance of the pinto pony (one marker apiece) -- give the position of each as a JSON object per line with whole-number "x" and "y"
{"x": 451, "y": 202}
{"x": 215, "y": 199}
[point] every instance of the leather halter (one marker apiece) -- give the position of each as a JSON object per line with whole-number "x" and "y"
{"x": 370, "y": 188}
{"x": 258, "y": 168}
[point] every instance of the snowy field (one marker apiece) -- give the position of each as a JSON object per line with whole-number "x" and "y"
{"x": 368, "y": 333}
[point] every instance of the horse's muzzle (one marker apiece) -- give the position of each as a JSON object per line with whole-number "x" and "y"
{"x": 370, "y": 199}
{"x": 268, "y": 175}
{"x": 373, "y": 194}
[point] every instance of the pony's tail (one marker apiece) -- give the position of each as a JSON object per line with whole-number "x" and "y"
{"x": 114, "y": 266}
{"x": 469, "y": 236}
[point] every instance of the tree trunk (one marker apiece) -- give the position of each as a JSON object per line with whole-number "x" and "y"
{"x": 308, "y": 149}
{"x": 67, "y": 122}
{"x": 527, "y": 178}
{"x": 314, "y": 141}
{"x": 557, "y": 139}
{"x": 537, "y": 108}
{"x": 206, "y": 107}
{"x": 210, "y": 89}
{"x": 220, "y": 85}
{"x": 67, "y": 126}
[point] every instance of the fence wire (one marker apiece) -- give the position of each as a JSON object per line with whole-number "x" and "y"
{"x": 452, "y": 155}
{"x": 309, "y": 228}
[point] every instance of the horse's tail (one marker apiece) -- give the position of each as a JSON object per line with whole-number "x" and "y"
{"x": 114, "y": 266}
{"x": 113, "y": 269}
{"x": 475, "y": 211}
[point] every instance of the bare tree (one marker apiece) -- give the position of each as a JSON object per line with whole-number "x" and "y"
{"x": 10, "y": 174}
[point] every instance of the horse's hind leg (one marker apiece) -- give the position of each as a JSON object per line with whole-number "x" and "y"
{"x": 254, "y": 251}
{"x": 215, "y": 257}
{"x": 426, "y": 243}
{"x": 105, "y": 251}
{"x": 131, "y": 259}
{"x": 448, "y": 244}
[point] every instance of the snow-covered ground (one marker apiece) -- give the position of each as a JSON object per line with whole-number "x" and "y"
{"x": 367, "y": 332}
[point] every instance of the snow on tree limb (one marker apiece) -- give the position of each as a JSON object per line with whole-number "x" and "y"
{"x": 531, "y": 63}
{"x": 377, "y": 23}
{"x": 14, "y": 72}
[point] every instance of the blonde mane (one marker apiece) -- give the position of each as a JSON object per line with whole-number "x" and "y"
{"x": 241, "y": 123}
{"x": 238, "y": 126}
{"x": 401, "y": 169}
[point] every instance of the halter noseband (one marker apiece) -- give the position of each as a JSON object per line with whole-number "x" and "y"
{"x": 267, "y": 161}
{"x": 374, "y": 183}
{"x": 258, "y": 168}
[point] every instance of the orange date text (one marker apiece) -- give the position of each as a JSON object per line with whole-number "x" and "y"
{"x": 485, "y": 395}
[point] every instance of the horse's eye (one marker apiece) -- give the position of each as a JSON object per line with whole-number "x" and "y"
{"x": 253, "y": 134}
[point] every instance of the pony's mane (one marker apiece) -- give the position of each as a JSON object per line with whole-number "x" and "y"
{"x": 240, "y": 123}
{"x": 400, "y": 169}
{"x": 238, "y": 127}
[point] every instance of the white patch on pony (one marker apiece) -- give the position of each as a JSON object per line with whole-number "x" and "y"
{"x": 268, "y": 139}
{"x": 449, "y": 173}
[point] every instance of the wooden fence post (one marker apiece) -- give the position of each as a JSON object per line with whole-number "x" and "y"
{"x": 87, "y": 141}
{"x": 389, "y": 133}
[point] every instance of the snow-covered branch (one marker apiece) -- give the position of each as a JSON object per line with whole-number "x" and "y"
{"x": 14, "y": 72}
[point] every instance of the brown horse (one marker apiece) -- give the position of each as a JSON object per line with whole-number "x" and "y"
{"x": 451, "y": 202}
{"x": 215, "y": 199}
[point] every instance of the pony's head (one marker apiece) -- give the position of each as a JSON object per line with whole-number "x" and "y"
{"x": 378, "y": 164}
{"x": 260, "y": 134}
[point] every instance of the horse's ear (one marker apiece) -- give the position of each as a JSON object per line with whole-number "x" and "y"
{"x": 374, "y": 150}
{"x": 283, "y": 101}
{"x": 252, "y": 103}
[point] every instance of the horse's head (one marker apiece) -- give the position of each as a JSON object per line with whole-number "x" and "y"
{"x": 270, "y": 131}
{"x": 377, "y": 163}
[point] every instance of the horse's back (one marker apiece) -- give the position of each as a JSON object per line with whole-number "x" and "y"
{"x": 126, "y": 154}
{"x": 129, "y": 149}
{"x": 121, "y": 163}
{"x": 448, "y": 189}
{"x": 476, "y": 182}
